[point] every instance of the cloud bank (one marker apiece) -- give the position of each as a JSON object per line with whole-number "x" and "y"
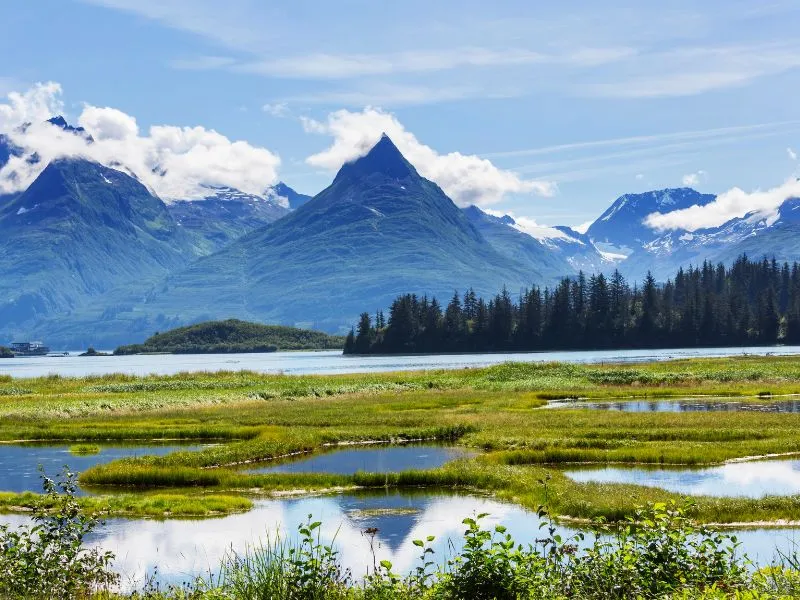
{"x": 174, "y": 162}
{"x": 467, "y": 179}
{"x": 734, "y": 203}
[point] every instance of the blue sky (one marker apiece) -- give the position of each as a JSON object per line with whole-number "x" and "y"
{"x": 580, "y": 101}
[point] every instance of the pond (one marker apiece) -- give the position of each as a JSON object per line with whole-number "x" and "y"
{"x": 383, "y": 458}
{"x": 685, "y": 405}
{"x": 754, "y": 479}
{"x": 19, "y": 464}
{"x": 184, "y": 549}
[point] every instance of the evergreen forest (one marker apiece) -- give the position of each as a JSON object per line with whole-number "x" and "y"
{"x": 750, "y": 302}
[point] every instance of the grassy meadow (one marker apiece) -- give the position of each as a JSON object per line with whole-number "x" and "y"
{"x": 498, "y": 410}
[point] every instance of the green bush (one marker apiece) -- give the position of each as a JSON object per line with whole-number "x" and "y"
{"x": 47, "y": 559}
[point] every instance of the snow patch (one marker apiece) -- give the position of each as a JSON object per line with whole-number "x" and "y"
{"x": 622, "y": 202}
{"x": 107, "y": 180}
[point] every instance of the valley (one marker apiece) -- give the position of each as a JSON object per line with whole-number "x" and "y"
{"x": 103, "y": 262}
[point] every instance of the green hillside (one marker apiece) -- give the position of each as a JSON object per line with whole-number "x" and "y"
{"x": 233, "y": 335}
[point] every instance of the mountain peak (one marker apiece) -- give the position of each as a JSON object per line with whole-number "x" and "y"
{"x": 383, "y": 158}
{"x": 60, "y": 122}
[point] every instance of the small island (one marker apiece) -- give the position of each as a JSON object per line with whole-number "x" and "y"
{"x": 92, "y": 352}
{"x": 233, "y": 336}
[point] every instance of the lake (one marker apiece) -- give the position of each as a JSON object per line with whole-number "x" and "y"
{"x": 183, "y": 549}
{"x": 332, "y": 361}
{"x": 753, "y": 479}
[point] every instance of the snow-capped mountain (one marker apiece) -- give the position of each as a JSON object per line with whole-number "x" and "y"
{"x": 562, "y": 250}
{"x": 225, "y": 215}
{"x": 621, "y": 229}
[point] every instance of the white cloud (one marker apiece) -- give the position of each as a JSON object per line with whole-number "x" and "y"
{"x": 792, "y": 154}
{"x": 467, "y": 179}
{"x": 639, "y": 176}
{"x": 277, "y": 109}
{"x": 583, "y": 227}
{"x": 693, "y": 179}
{"x": 729, "y": 205}
{"x": 175, "y": 162}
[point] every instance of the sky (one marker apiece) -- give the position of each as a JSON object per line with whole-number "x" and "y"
{"x": 545, "y": 110}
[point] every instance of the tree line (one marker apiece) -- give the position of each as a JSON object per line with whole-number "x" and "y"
{"x": 750, "y": 302}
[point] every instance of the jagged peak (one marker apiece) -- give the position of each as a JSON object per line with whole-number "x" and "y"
{"x": 384, "y": 158}
{"x": 60, "y": 122}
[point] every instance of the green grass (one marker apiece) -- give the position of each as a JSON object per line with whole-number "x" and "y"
{"x": 84, "y": 449}
{"x": 159, "y": 505}
{"x": 497, "y": 410}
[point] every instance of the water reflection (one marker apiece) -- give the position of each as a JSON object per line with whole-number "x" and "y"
{"x": 685, "y": 405}
{"x": 183, "y": 550}
{"x": 19, "y": 464}
{"x": 374, "y": 459}
{"x": 754, "y": 479}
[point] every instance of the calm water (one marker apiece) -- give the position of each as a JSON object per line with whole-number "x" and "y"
{"x": 685, "y": 405}
{"x": 183, "y": 549}
{"x": 374, "y": 459}
{"x": 330, "y": 362}
{"x": 19, "y": 464}
{"x": 754, "y": 479}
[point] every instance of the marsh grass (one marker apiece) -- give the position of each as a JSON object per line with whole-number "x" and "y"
{"x": 169, "y": 504}
{"x": 260, "y": 417}
{"x": 84, "y": 449}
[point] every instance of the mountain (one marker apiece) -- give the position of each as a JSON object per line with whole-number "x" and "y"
{"x": 555, "y": 251}
{"x": 286, "y": 196}
{"x": 621, "y": 229}
{"x": 224, "y": 216}
{"x": 379, "y": 230}
{"x": 80, "y": 230}
{"x": 61, "y": 123}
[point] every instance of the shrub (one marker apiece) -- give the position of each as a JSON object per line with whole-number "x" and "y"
{"x": 46, "y": 559}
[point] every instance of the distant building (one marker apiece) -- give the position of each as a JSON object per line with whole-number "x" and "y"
{"x": 29, "y": 349}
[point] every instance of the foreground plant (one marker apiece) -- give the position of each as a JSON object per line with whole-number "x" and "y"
{"x": 47, "y": 559}
{"x": 659, "y": 553}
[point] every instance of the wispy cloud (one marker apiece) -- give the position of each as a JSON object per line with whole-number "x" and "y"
{"x": 391, "y": 95}
{"x": 277, "y": 109}
{"x": 731, "y": 134}
{"x": 695, "y": 70}
{"x": 693, "y": 179}
{"x": 202, "y": 63}
{"x": 343, "y": 66}
{"x": 791, "y": 153}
